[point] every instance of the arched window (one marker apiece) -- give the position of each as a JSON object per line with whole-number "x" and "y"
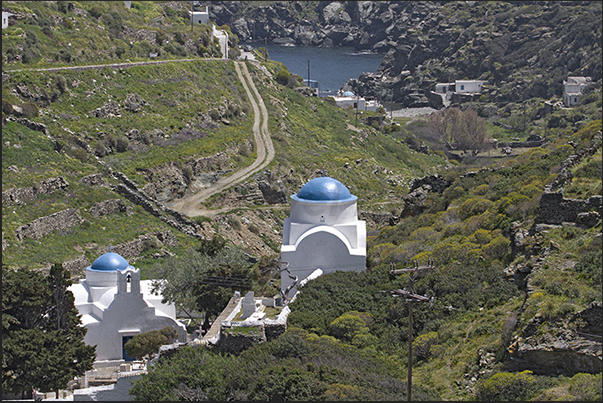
{"x": 129, "y": 283}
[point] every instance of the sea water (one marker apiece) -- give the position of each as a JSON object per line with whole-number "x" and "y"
{"x": 329, "y": 67}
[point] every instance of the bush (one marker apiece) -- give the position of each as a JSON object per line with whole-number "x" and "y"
{"x": 148, "y": 343}
{"x": 283, "y": 76}
{"x": 7, "y": 107}
{"x": 346, "y": 326}
{"x": 61, "y": 83}
{"x": 507, "y": 386}
{"x": 67, "y": 23}
{"x": 122, "y": 144}
{"x": 30, "y": 110}
{"x": 473, "y": 207}
{"x": 95, "y": 12}
{"x": 421, "y": 346}
{"x": 586, "y": 387}
{"x": 160, "y": 37}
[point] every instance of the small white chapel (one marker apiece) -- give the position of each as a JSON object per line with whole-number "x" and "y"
{"x": 116, "y": 305}
{"x": 322, "y": 234}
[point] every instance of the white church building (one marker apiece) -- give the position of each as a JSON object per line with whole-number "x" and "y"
{"x": 322, "y": 233}
{"x": 116, "y": 305}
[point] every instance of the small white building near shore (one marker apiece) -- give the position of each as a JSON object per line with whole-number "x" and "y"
{"x": 5, "y": 16}
{"x": 200, "y": 17}
{"x": 573, "y": 88}
{"x": 116, "y": 305}
{"x": 349, "y": 100}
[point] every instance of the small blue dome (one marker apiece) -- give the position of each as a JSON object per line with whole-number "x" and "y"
{"x": 110, "y": 262}
{"x": 348, "y": 94}
{"x": 323, "y": 189}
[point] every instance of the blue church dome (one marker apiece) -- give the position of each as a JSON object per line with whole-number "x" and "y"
{"x": 110, "y": 262}
{"x": 323, "y": 190}
{"x": 348, "y": 94}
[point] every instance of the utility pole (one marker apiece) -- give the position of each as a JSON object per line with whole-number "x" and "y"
{"x": 356, "y": 106}
{"x": 410, "y": 298}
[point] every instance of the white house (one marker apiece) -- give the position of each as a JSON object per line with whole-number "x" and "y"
{"x": 348, "y": 99}
{"x": 468, "y": 86}
{"x": 322, "y": 232}
{"x": 572, "y": 89}
{"x": 200, "y": 17}
{"x": 5, "y": 16}
{"x": 116, "y": 305}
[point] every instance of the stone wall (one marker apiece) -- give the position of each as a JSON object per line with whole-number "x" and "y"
{"x": 42, "y": 226}
{"x": 20, "y": 196}
{"x": 235, "y": 342}
{"x": 77, "y": 266}
{"x": 107, "y": 207}
{"x": 555, "y": 209}
{"x": 131, "y": 250}
{"x": 94, "y": 180}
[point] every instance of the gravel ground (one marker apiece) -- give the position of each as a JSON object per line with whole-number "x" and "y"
{"x": 410, "y": 112}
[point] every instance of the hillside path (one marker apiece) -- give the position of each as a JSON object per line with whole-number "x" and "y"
{"x": 191, "y": 205}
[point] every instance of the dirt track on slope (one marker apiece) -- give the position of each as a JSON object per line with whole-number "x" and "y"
{"x": 191, "y": 205}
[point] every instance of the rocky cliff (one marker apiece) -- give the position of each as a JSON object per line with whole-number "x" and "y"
{"x": 522, "y": 49}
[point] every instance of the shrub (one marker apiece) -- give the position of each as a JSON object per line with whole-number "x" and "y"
{"x": 346, "y": 326}
{"x": 473, "y": 207}
{"x": 160, "y": 37}
{"x": 7, "y": 107}
{"x": 586, "y": 387}
{"x": 421, "y": 346}
{"x": 61, "y": 83}
{"x": 283, "y": 76}
{"x": 122, "y": 144}
{"x": 148, "y": 343}
{"x": 67, "y": 23}
{"x": 507, "y": 386}
{"x": 498, "y": 248}
{"x": 30, "y": 110}
{"x": 95, "y": 12}
{"x": 481, "y": 190}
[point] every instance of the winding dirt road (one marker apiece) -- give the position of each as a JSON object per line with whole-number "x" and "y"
{"x": 191, "y": 205}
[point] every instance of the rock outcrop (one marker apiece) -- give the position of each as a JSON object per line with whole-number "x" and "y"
{"x": 566, "y": 349}
{"x": 427, "y": 42}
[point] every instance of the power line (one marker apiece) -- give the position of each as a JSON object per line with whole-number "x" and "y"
{"x": 410, "y": 298}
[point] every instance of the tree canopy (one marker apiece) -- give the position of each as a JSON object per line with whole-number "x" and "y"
{"x": 461, "y": 130}
{"x": 206, "y": 278}
{"x": 148, "y": 343}
{"x": 42, "y": 336}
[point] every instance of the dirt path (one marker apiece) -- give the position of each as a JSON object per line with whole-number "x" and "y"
{"x": 191, "y": 205}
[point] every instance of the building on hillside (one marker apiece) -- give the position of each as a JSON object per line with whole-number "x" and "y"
{"x": 348, "y": 100}
{"x": 468, "y": 86}
{"x": 322, "y": 234}
{"x": 314, "y": 84}
{"x": 573, "y": 88}
{"x": 5, "y": 16}
{"x": 200, "y": 17}
{"x": 116, "y": 305}
{"x": 447, "y": 93}
{"x": 128, "y": 4}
